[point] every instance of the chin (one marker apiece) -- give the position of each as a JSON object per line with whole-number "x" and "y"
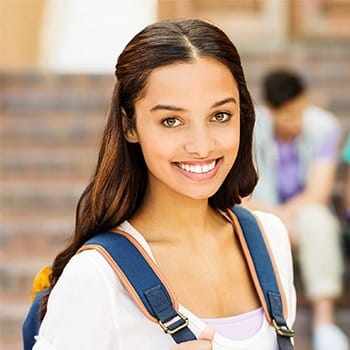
{"x": 204, "y": 196}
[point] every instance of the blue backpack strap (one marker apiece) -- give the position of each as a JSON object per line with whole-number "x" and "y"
{"x": 266, "y": 275}
{"x": 142, "y": 278}
{"x": 31, "y": 324}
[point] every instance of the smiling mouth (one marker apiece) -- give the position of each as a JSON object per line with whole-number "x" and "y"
{"x": 197, "y": 168}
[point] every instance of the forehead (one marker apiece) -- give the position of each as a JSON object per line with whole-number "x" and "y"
{"x": 202, "y": 78}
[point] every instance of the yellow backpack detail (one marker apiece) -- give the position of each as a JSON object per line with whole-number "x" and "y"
{"x": 41, "y": 281}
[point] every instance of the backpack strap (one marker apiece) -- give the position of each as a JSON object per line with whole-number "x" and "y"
{"x": 31, "y": 323}
{"x": 260, "y": 263}
{"x": 143, "y": 280}
{"x": 155, "y": 298}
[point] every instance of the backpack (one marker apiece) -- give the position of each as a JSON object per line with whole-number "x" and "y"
{"x": 140, "y": 277}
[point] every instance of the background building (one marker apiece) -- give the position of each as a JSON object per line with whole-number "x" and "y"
{"x": 56, "y": 77}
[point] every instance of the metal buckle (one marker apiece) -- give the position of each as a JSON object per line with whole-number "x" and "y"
{"x": 168, "y": 330}
{"x": 284, "y": 330}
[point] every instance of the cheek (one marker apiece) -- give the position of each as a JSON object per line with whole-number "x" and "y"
{"x": 156, "y": 151}
{"x": 230, "y": 140}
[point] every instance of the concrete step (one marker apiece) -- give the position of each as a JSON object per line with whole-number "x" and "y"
{"x": 39, "y": 163}
{"x": 44, "y": 234}
{"x": 29, "y": 93}
{"x": 51, "y": 129}
{"x": 11, "y": 319}
{"x": 17, "y": 276}
{"x": 50, "y": 197}
{"x": 323, "y": 64}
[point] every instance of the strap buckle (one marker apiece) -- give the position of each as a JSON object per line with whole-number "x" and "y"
{"x": 181, "y": 322}
{"x": 283, "y": 330}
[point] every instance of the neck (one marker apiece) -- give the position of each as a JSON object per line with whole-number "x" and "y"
{"x": 174, "y": 218}
{"x": 284, "y": 138}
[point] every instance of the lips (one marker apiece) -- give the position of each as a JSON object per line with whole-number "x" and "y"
{"x": 197, "y": 168}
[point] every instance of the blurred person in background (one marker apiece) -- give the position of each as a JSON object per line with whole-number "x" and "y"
{"x": 297, "y": 150}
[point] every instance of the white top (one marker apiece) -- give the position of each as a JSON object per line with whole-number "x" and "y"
{"x": 90, "y": 309}
{"x": 238, "y": 327}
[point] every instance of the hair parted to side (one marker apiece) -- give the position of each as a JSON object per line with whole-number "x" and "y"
{"x": 281, "y": 86}
{"x": 118, "y": 185}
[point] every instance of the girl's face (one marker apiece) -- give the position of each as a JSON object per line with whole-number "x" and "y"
{"x": 187, "y": 124}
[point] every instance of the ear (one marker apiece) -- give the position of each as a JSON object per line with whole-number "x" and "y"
{"x": 131, "y": 135}
{"x": 130, "y": 132}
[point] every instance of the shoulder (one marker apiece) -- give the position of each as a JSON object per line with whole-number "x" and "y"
{"x": 87, "y": 281}
{"x": 86, "y": 266}
{"x": 82, "y": 309}
{"x": 319, "y": 119}
{"x": 313, "y": 111}
{"x": 275, "y": 235}
{"x": 273, "y": 226}
{"x": 277, "y": 239}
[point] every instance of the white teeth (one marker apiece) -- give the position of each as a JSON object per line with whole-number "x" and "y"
{"x": 198, "y": 169}
{"x": 205, "y": 168}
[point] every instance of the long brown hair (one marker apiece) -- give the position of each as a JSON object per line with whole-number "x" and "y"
{"x": 118, "y": 185}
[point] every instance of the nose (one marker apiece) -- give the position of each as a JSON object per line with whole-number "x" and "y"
{"x": 200, "y": 141}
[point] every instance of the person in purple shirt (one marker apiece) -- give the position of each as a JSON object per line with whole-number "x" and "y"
{"x": 297, "y": 152}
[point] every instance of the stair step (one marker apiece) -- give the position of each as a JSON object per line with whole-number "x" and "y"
{"x": 39, "y": 163}
{"x": 48, "y": 197}
{"x": 30, "y": 93}
{"x": 322, "y": 64}
{"x": 11, "y": 319}
{"x": 51, "y": 129}
{"x": 35, "y": 224}
{"x": 17, "y": 276}
{"x": 45, "y": 235}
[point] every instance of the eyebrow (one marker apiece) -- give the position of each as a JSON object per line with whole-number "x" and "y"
{"x": 179, "y": 109}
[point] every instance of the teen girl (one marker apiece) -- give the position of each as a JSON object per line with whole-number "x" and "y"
{"x": 175, "y": 155}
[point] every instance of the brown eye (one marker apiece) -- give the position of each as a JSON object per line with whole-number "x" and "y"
{"x": 171, "y": 122}
{"x": 222, "y": 117}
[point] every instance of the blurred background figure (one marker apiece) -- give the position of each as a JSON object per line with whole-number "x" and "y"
{"x": 297, "y": 148}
